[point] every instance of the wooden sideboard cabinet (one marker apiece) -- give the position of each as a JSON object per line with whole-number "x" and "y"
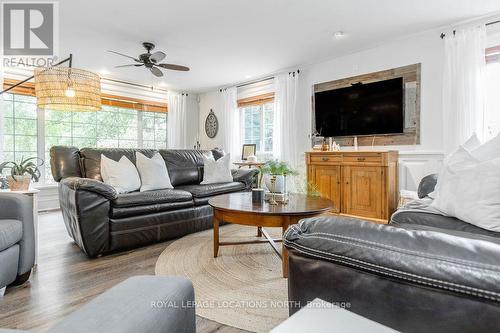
{"x": 360, "y": 183}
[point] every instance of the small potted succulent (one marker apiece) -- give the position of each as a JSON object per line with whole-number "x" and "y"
{"x": 277, "y": 173}
{"x": 22, "y": 173}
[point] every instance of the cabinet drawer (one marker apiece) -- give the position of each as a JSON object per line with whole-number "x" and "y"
{"x": 325, "y": 159}
{"x": 362, "y": 158}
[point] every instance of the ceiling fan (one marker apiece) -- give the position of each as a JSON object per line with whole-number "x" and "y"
{"x": 151, "y": 61}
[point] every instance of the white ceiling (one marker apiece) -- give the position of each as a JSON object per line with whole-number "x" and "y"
{"x": 228, "y": 41}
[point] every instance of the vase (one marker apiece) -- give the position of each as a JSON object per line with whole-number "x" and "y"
{"x": 279, "y": 186}
{"x": 19, "y": 183}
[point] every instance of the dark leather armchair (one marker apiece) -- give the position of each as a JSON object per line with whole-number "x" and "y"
{"x": 421, "y": 273}
{"x": 102, "y": 221}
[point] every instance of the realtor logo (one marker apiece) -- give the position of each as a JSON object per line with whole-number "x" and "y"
{"x": 28, "y": 29}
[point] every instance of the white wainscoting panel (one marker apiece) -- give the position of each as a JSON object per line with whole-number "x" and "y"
{"x": 48, "y": 198}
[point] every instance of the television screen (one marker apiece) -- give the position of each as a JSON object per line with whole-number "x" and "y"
{"x": 362, "y": 109}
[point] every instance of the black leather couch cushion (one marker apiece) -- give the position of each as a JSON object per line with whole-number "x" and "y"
{"x": 446, "y": 224}
{"x": 202, "y": 191}
{"x": 185, "y": 167}
{"x": 121, "y": 212}
{"x": 427, "y": 185}
{"x": 91, "y": 158}
{"x": 218, "y": 153}
{"x": 146, "y": 229}
{"x": 428, "y": 258}
{"x": 134, "y": 199}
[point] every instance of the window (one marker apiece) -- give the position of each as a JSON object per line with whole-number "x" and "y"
{"x": 257, "y": 126}
{"x": 257, "y": 115}
{"x": 117, "y": 125}
{"x": 154, "y": 130}
{"x": 492, "y": 117}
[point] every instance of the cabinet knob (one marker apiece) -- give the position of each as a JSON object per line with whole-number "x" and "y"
{"x": 361, "y": 159}
{"x": 325, "y": 158}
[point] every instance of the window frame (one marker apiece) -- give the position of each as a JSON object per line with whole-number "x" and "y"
{"x": 122, "y": 102}
{"x": 260, "y": 103}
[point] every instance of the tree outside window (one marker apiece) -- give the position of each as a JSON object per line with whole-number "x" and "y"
{"x": 257, "y": 126}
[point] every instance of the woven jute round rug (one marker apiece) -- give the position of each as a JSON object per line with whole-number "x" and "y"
{"x": 243, "y": 287}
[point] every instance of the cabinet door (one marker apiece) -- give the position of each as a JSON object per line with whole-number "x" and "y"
{"x": 363, "y": 193}
{"x": 327, "y": 179}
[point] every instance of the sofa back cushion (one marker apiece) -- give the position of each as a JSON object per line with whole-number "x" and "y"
{"x": 91, "y": 158}
{"x": 185, "y": 166}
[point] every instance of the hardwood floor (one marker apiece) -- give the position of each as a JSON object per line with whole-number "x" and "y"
{"x": 65, "y": 279}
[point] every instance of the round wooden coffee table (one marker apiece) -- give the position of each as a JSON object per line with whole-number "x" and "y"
{"x": 238, "y": 208}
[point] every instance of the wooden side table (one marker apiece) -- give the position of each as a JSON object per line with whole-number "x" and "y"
{"x": 33, "y": 194}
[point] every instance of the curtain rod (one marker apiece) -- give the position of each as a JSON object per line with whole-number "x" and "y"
{"x": 487, "y": 24}
{"x": 250, "y": 82}
{"x": 257, "y": 81}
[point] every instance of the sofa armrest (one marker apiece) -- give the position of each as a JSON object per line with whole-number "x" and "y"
{"x": 91, "y": 185}
{"x": 20, "y": 207}
{"x": 427, "y": 185}
{"x": 429, "y": 259}
{"x": 85, "y": 205}
{"x": 246, "y": 176}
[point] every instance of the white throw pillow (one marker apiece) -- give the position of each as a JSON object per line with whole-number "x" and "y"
{"x": 488, "y": 150}
{"x": 217, "y": 171}
{"x": 121, "y": 175}
{"x": 471, "y": 193}
{"x": 153, "y": 172}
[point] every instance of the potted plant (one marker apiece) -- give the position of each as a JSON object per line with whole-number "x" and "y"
{"x": 22, "y": 173}
{"x": 277, "y": 171}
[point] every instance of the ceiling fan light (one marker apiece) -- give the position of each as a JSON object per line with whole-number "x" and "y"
{"x": 67, "y": 89}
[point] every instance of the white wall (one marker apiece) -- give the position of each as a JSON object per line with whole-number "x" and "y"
{"x": 425, "y": 48}
{"x": 193, "y": 119}
{"x": 210, "y": 100}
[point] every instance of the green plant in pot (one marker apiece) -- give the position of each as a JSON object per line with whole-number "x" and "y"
{"x": 279, "y": 171}
{"x": 22, "y": 173}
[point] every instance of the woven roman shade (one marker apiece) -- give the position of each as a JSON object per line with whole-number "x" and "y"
{"x": 256, "y": 100}
{"x": 67, "y": 89}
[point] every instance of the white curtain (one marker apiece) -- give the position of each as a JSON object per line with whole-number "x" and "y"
{"x": 463, "y": 85}
{"x": 177, "y": 121}
{"x": 231, "y": 128}
{"x": 285, "y": 129}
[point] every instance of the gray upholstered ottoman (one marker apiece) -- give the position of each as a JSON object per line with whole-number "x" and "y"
{"x": 141, "y": 304}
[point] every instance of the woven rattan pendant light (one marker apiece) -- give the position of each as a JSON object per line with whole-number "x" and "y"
{"x": 67, "y": 89}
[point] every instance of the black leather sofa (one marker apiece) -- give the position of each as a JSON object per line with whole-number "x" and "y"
{"x": 101, "y": 221}
{"x": 421, "y": 273}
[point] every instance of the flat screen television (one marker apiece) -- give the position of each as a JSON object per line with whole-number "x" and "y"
{"x": 362, "y": 109}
